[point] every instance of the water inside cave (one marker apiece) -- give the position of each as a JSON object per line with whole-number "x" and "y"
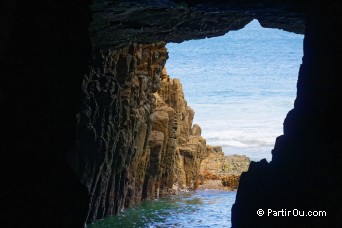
{"x": 241, "y": 86}
{"x": 200, "y": 209}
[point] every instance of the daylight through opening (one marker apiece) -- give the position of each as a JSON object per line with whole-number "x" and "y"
{"x": 241, "y": 85}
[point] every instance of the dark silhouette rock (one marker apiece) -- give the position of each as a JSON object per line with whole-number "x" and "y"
{"x": 177, "y": 21}
{"x": 302, "y": 174}
{"x": 44, "y": 54}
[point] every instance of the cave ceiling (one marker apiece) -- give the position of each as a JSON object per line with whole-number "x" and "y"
{"x": 118, "y": 23}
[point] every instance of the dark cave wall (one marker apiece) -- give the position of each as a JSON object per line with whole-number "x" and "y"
{"x": 304, "y": 172}
{"x": 46, "y": 48}
{"x": 44, "y": 56}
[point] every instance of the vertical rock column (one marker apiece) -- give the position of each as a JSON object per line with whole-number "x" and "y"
{"x": 114, "y": 124}
{"x": 183, "y": 148}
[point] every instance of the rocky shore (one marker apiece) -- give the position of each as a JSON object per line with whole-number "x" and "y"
{"x": 219, "y": 171}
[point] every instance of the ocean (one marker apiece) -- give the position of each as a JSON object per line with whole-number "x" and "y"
{"x": 202, "y": 209}
{"x": 241, "y": 85}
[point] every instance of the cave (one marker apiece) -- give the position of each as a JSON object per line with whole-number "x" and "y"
{"x": 68, "y": 65}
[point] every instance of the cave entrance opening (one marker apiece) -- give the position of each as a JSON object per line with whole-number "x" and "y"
{"x": 240, "y": 85}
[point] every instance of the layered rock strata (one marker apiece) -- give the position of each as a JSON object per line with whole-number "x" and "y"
{"x": 219, "y": 171}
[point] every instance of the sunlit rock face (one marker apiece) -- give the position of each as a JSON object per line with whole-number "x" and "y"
{"x": 183, "y": 146}
{"x": 219, "y": 171}
{"x": 72, "y": 88}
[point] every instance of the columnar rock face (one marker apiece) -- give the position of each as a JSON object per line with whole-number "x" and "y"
{"x": 184, "y": 147}
{"x": 134, "y": 135}
{"x": 113, "y": 127}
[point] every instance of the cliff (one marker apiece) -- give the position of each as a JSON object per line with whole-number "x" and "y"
{"x": 134, "y": 131}
{"x": 182, "y": 149}
{"x": 114, "y": 125}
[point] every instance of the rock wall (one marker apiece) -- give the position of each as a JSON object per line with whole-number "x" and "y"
{"x": 134, "y": 131}
{"x": 177, "y": 21}
{"x": 183, "y": 147}
{"x": 114, "y": 125}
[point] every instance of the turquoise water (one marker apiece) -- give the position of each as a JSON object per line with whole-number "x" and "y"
{"x": 200, "y": 209}
{"x": 241, "y": 85}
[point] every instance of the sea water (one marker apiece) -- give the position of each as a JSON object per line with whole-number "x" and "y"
{"x": 241, "y": 86}
{"x": 203, "y": 209}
